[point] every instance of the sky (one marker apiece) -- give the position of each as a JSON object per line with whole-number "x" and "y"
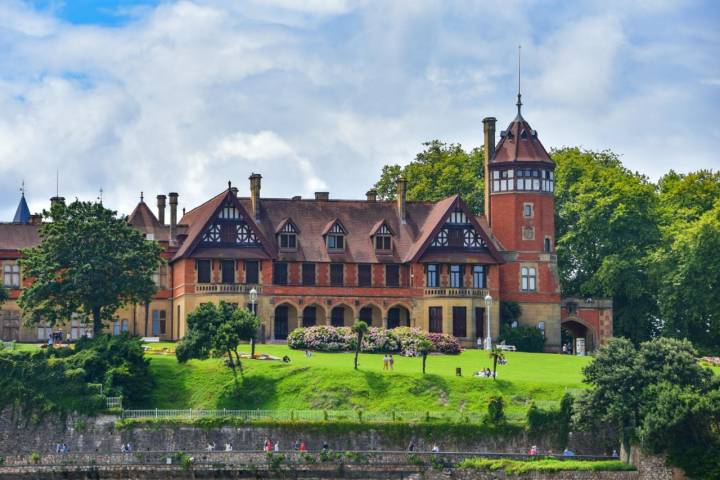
{"x": 126, "y": 96}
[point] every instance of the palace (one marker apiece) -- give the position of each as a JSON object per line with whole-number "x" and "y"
{"x": 322, "y": 261}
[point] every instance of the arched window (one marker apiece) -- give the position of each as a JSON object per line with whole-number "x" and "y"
{"x": 548, "y": 245}
{"x": 528, "y": 279}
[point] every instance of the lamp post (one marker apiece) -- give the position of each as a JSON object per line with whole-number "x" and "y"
{"x": 253, "y": 299}
{"x": 488, "y": 307}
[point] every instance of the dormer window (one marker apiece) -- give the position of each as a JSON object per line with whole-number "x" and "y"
{"x": 335, "y": 238}
{"x": 383, "y": 239}
{"x": 287, "y": 238}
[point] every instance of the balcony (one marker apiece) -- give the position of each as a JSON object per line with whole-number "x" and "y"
{"x": 455, "y": 292}
{"x": 226, "y": 288}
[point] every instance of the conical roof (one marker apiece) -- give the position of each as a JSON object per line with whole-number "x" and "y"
{"x": 22, "y": 214}
{"x": 520, "y": 143}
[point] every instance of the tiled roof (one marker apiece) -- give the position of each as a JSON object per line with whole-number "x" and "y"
{"x": 520, "y": 143}
{"x": 145, "y": 220}
{"x": 14, "y": 236}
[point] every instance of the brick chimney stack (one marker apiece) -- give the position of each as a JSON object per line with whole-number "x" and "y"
{"x": 173, "y": 216}
{"x": 489, "y": 153}
{"x": 161, "y": 209}
{"x": 371, "y": 195}
{"x": 255, "y": 181}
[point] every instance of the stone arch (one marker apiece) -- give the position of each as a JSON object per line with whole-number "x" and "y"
{"x": 371, "y": 314}
{"x": 313, "y": 314}
{"x": 342, "y": 315}
{"x": 577, "y": 328}
{"x": 398, "y": 315}
{"x": 285, "y": 320}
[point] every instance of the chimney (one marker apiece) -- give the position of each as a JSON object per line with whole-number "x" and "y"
{"x": 324, "y": 196}
{"x": 255, "y": 179}
{"x": 57, "y": 201}
{"x": 35, "y": 219}
{"x": 173, "y": 216}
{"x": 489, "y": 153}
{"x": 401, "y": 184}
{"x": 161, "y": 209}
{"x": 371, "y": 195}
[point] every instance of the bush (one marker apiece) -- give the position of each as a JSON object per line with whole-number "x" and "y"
{"x": 496, "y": 411}
{"x": 525, "y": 339}
{"x": 409, "y": 339}
{"x": 444, "y": 343}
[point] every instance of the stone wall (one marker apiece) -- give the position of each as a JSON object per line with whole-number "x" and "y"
{"x": 100, "y": 435}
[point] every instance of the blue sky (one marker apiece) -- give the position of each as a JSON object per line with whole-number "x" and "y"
{"x": 151, "y": 96}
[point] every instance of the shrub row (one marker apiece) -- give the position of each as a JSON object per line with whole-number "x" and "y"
{"x": 403, "y": 340}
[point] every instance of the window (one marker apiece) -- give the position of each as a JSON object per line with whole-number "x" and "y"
{"x": 203, "y": 271}
{"x": 116, "y": 327}
{"x": 473, "y": 239}
{"x": 459, "y": 321}
{"x": 308, "y": 274}
{"x": 432, "y": 275}
{"x": 441, "y": 239}
{"x": 159, "y": 322}
{"x": 528, "y": 279}
{"x": 383, "y": 239}
{"x": 227, "y": 268}
{"x": 336, "y": 237}
{"x": 456, "y": 276}
{"x": 280, "y": 273}
{"x": 364, "y": 275}
{"x": 366, "y": 315}
{"x": 392, "y": 275}
{"x": 528, "y": 210}
{"x": 547, "y": 247}
{"x": 541, "y": 326}
{"x": 252, "y": 274}
{"x": 337, "y": 271}
{"x": 309, "y": 317}
{"x": 287, "y": 239}
{"x": 548, "y": 181}
{"x": 456, "y": 237}
{"x": 572, "y": 308}
{"x": 124, "y": 325}
{"x": 479, "y": 276}
{"x": 337, "y": 317}
{"x": 503, "y": 180}
{"x": 458, "y": 217}
{"x": 435, "y": 319}
{"x": 11, "y": 276}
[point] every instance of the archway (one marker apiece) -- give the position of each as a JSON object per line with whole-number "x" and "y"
{"x": 398, "y": 316}
{"x": 580, "y": 336}
{"x": 341, "y": 316}
{"x": 285, "y": 321}
{"x": 313, "y": 315}
{"x": 371, "y": 314}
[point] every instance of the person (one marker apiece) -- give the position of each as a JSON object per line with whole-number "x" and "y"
{"x": 286, "y": 359}
{"x": 392, "y": 362}
{"x": 122, "y": 448}
{"x": 50, "y": 340}
{"x": 277, "y": 446}
{"x": 564, "y": 349}
{"x": 568, "y": 453}
{"x": 533, "y": 450}
{"x": 386, "y": 361}
{"x": 325, "y": 447}
{"x": 296, "y": 447}
{"x": 479, "y": 343}
{"x": 228, "y": 447}
{"x": 411, "y": 446}
{"x": 64, "y": 448}
{"x": 435, "y": 448}
{"x": 308, "y": 354}
{"x": 57, "y": 448}
{"x": 302, "y": 446}
{"x": 211, "y": 447}
{"x": 614, "y": 453}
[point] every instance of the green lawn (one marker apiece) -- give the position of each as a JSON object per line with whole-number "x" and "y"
{"x": 328, "y": 381}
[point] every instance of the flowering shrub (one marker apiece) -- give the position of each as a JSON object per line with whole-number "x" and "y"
{"x": 404, "y": 340}
{"x": 444, "y": 343}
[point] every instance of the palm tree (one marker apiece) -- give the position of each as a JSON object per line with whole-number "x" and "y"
{"x": 361, "y": 329}
{"x": 496, "y": 354}
{"x": 424, "y": 347}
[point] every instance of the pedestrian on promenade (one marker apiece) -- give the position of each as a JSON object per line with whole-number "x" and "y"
{"x": 386, "y": 361}
{"x": 302, "y": 446}
{"x": 411, "y": 446}
{"x": 392, "y": 362}
{"x": 277, "y": 446}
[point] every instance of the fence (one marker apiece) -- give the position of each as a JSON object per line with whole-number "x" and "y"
{"x": 113, "y": 402}
{"x": 316, "y": 415}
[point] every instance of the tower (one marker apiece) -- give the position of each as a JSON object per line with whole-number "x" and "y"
{"x": 520, "y": 207}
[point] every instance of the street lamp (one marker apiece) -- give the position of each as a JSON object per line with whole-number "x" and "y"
{"x": 488, "y": 307}
{"x": 253, "y": 299}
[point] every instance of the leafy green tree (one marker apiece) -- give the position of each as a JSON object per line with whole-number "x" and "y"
{"x": 217, "y": 329}
{"x": 439, "y": 171}
{"x": 607, "y": 228}
{"x": 89, "y": 263}
{"x": 360, "y": 329}
{"x": 509, "y": 312}
{"x": 524, "y": 338}
{"x": 496, "y": 410}
{"x": 424, "y": 347}
{"x": 625, "y": 381}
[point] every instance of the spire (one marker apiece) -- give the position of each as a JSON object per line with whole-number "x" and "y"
{"x": 22, "y": 214}
{"x": 519, "y": 100}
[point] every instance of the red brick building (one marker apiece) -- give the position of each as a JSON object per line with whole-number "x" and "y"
{"x": 302, "y": 262}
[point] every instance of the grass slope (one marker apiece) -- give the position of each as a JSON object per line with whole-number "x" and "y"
{"x": 328, "y": 381}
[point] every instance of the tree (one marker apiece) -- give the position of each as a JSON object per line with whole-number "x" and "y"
{"x": 89, "y": 264}
{"x": 607, "y": 229}
{"x": 361, "y": 329}
{"x": 217, "y": 329}
{"x": 509, "y": 312}
{"x": 437, "y": 172}
{"x": 4, "y": 295}
{"x": 424, "y": 347}
{"x": 625, "y": 381}
{"x": 496, "y": 354}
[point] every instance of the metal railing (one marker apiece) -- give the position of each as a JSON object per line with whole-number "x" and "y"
{"x": 113, "y": 402}
{"x": 455, "y": 292}
{"x": 359, "y": 416}
{"x": 226, "y": 288}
